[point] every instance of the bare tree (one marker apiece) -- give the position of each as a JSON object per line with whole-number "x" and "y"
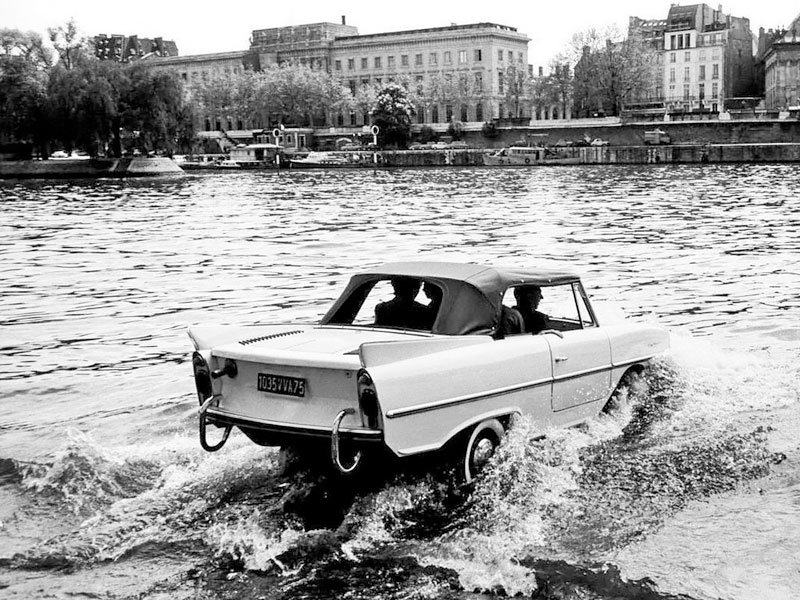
{"x": 609, "y": 69}
{"x": 516, "y": 89}
{"x": 68, "y": 43}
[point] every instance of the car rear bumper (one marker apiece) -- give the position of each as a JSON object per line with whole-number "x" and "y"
{"x": 275, "y": 433}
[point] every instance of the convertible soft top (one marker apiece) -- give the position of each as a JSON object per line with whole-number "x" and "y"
{"x": 472, "y": 293}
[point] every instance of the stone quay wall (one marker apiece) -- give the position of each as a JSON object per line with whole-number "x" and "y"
{"x": 751, "y": 131}
{"x": 609, "y": 155}
{"x": 77, "y": 168}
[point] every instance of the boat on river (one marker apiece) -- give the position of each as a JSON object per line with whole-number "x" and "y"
{"x": 525, "y": 156}
{"x": 318, "y": 160}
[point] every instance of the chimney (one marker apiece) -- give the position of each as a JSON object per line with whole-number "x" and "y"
{"x": 344, "y": 20}
{"x": 541, "y": 71}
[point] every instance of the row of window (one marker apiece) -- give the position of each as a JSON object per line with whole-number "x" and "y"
{"x": 701, "y": 74}
{"x": 687, "y": 56}
{"x": 701, "y": 91}
{"x": 419, "y": 81}
{"x": 433, "y": 59}
{"x": 435, "y": 115}
{"x": 204, "y": 74}
{"x": 683, "y": 40}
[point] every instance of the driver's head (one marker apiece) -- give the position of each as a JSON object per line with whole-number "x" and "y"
{"x": 528, "y": 296}
{"x": 406, "y": 288}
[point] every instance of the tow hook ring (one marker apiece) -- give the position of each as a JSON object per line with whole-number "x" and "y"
{"x": 335, "y": 455}
{"x": 203, "y": 442}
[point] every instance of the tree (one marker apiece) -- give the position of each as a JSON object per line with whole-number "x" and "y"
{"x": 561, "y": 85}
{"x": 365, "y": 99}
{"x": 152, "y": 104}
{"x": 23, "y": 85}
{"x": 516, "y": 90}
{"x": 609, "y": 70}
{"x": 25, "y": 46}
{"x": 452, "y": 92}
{"x": 393, "y": 113}
{"x": 69, "y": 45}
{"x": 83, "y": 104}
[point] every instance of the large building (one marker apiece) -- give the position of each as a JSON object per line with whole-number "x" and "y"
{"x": 704, "y": 58}
{"x": 708, "y": 58}
{"x": 779, "y": 58}
{"x": 477, "y": 60}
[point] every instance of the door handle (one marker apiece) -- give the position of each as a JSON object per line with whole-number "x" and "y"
{"x": 562, "y": 358}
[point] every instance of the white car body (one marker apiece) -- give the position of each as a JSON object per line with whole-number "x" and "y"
{"x": 291, "y": 383}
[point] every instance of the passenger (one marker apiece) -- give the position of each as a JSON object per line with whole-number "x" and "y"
{"x": 511, "y": 322}
{"x": 528, "y": 299}
{"x": 403, "y": 310}
{"x": 434, "y": 294}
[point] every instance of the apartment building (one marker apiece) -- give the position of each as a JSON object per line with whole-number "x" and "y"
{"x": 779, "y": 57}
{"x": 708, "y": 58}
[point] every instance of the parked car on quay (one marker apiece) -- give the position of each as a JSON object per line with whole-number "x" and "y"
{"x": 394, "y": 371}
{"x": 656, "y": 137}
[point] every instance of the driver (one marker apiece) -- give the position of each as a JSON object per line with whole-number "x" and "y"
{"x": 528, "y": 298}
{"x": 403, "y": 310}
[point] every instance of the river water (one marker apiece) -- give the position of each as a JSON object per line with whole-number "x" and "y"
{"x": 691, "y": 489}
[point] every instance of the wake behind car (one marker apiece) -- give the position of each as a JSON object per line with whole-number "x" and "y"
{"x": 416, "y": 356}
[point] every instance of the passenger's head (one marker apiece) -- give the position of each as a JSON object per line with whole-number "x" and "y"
{"x": 433, "y": 292}
{"x": 406, "y": 288}
{"x": 528, "y": 296}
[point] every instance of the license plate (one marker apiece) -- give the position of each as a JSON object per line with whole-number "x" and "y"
{"x": 281, "y": 384}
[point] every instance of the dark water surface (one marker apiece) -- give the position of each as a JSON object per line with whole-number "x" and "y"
{"x": 692, "y": 489}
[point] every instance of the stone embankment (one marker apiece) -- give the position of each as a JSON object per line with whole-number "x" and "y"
{"x": 76, "y": 168}
{"x": 612, "y": 155}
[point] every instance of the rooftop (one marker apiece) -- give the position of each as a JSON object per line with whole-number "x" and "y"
{"x": 471, "y": 26}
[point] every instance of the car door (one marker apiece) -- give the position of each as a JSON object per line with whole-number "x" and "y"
{"x": 580, "y": 351}
{"x": 581, "y": 367}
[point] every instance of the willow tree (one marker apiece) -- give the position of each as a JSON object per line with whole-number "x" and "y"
{"x": 152, "y": 104}
{"x": 24, "y": 62}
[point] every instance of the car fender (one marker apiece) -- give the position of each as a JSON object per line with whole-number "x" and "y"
{"x": 428, "y": 399}
{"x": 634, "y": 344}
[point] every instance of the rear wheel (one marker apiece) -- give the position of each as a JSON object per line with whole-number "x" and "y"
{"x": 481, "y": 446}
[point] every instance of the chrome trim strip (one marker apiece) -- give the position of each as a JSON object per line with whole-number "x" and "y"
{"x": 575, "y": 374}
{"x": 427, "y": 406}
{"x": 631, "y": 361}
{"x": 418, "y": 408}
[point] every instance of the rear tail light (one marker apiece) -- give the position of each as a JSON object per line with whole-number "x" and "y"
{"x": 368, "y": 399}
{"x": 202, "y": 377}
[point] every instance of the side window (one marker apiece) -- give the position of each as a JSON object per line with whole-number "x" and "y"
{"x": 558, "y": 303}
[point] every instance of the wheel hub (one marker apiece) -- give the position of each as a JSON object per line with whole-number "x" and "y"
{"x": 484, "y": 449}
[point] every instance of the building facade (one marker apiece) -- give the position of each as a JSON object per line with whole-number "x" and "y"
{"x": 781, "y": 66}
{"x": 651, "y": 99}
{"x": 465, "y": 71}
{"x": 708, "y": 58}
{"x": 468, "y": 72}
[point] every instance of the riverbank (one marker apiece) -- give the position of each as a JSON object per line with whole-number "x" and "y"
{"x": 77, "y": 168}
{"x": 606, "y": 155}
